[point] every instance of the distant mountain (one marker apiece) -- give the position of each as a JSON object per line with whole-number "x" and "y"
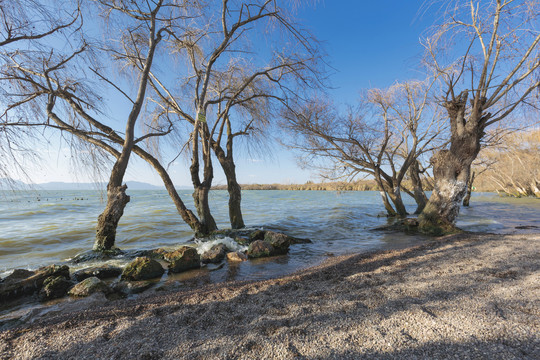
{"x": 6, "y": 184}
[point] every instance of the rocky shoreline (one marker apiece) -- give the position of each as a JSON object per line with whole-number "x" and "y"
{"x": 147, "y": 267}
{"x": 466, "y": 296}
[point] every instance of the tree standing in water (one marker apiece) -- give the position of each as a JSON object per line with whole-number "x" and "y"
{"x": 495, "y": 75}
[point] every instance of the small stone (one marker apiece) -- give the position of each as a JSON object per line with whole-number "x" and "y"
{"x": 142, "y": 268}
{"x": 88, "y": 287}
{"x": 260, "y": 248}
{"x": 215, "y": 255}
{"x": 185, "y": 259}
{"x": 236, "y": 256}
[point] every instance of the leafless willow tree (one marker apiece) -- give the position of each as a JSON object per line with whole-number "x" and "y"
{"x": 25, "y": 25}
{"x": 383, "y": 138}
{"x": 55, "y": 83}
{"x": 493, "y": 47}
{"x": 232, "y": 85}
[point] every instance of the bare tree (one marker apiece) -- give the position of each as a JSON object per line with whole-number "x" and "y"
{"x": 494, "y": 73}
{"x": 232, "y": 87}
{"x": 383, "y": 138}
{"x": 24, "y": 26}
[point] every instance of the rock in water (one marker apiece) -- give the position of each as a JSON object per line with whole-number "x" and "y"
{"x": 54, "y": 287}
{"x": 88, "y": 287}
{"x": 280, "y": 242}
{"x": 101, "y": 272}
{"x": 236, "y": 256}
{"x": 184, "y": 259}
{"x": 24, "y": 282}
{"x": 260, "y": 248}
{"x": 142, "y": 268}
{"x": 132, "y": 287}
{"x": 215, "y": 255}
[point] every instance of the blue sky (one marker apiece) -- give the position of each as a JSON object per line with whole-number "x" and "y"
{"x": 369, "y": 44}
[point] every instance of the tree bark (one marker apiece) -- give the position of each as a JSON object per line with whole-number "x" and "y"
{"x": 467, "y": 198}
{"x": 117, "y": 200}
{"x": 202, "y": 188}
{"x": 235, "y": 195}
{"x": 418, "y": 190}
{"x": 208, "y": 224}
{"x": 452, "y": 167}
{"x": 235, "y": 191}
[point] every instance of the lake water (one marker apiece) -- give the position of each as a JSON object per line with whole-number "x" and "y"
{"x": 44, "y": 227}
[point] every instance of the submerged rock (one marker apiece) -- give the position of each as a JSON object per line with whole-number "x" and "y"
{"x": 54, "y": 287}
{"x": 131, "y": 287}
{"x": 24, "y": 282}
{"x": 101, "y": 272}
{"x": 183, "y": 259}
{"x": 18, "y": 274}
{"x": 260, "y": 248}
{"x": 88, "y": 287}
{"x": 280, "y": 242}
{"x": 94, "y": 255}
{"x": 142, "y": 268}
{"x": 215, "y": 255}
{"x": 236, "y": 256}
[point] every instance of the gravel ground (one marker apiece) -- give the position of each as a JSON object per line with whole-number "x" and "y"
{"x": 460, "y": 297}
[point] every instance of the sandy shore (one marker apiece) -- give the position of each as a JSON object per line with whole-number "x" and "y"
{"x": 459, "y": 297}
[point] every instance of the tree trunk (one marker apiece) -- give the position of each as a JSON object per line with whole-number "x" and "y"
{"x": 467, "y": 198}
{"x": 395, "y": 196}
{"x": 235, "y": 197}
{"x": 418, "y": 190}
{"x": 234, "y": 189}
{"x": 452, "y": 167}
{"x": 208, "y": 224}
{"x": 117, "y": 200}
{"x": 202, "y": 188}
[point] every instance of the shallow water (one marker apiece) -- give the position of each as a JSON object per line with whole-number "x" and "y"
{"x": 45, "y": 227}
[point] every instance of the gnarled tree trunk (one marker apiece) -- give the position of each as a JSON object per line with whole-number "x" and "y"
{"x": 117, "y": 200}
{"x": 452, "y": 167}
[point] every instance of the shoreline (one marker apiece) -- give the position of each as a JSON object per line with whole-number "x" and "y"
{"x": 465, "y": 295}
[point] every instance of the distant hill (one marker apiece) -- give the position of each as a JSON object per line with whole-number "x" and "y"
{"x": 15, "y": 184}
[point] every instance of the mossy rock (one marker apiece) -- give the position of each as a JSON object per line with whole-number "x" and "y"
{"x": 54, "y": 287}
{"x": 184, "y": 259}
{"x": 142, "y": 268}
{"x": 280, "y": 242}
{"x": 260, "y": 248}
{"x": 215, "y": 255}
{"x": 88, "y": 287}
